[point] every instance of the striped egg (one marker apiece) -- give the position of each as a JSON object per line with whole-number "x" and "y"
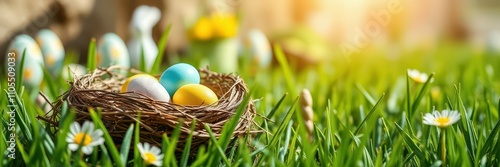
{"x": 33, "y": 63}
{"x": 52, "y": 50}
{"x": 111, "y": 50}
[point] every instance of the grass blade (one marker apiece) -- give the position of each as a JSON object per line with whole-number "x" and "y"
{"x": 161, "y": 49}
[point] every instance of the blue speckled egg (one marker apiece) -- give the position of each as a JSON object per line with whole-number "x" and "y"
{"x": 259, "y": 48}
{"x": 52, "y": 50}
{"x": 33, "y": 64}
{"x": 111, "y": 50}
{"x": 178, "y": 75}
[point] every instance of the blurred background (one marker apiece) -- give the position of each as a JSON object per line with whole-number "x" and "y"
{"x": 345, "y": 27}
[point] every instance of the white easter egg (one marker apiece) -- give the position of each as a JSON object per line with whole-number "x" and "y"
{"x": 148, "y": 86}
{"x": 52, "y": 50}
{"x": 111, "y": 50}
{"x": 33, "y": 63}
{"x": 73, "y": 70}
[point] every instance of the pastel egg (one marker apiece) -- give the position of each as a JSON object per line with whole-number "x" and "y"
{"x": 194, "y": 95}
{"x": 259, "y": 48}
{"x": 111, "y": 50}
{"x": 52, "y": 50}
{"x": 148, "y": 86}
{"x": 33, "y": 64}
{"x": 178, "y": 75}
{"x": 73, "y": 70}
{"x": 125, "y": 85}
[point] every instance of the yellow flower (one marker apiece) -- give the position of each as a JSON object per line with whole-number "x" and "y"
{"x": 202, "y": 30}
{"x": 441, "y": 119}
{"x": 151, "y": 154}
{"x": 224, "y": 25}
{"x": 85, "y": 136}
{"x": 417, "y": 76}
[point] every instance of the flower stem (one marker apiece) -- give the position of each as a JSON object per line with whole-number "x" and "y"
{"x": 442, "y": 136}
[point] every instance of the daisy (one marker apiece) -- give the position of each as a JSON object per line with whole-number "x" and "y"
{"x": 151, "y": 154}
{"x": 417, "y": 76}
{"x": 85, "y": 135}
{"x": 443, "y": 119}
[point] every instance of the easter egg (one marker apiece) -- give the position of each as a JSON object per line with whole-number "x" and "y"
{"x": 148, "y": 86}
{"x": 33, "y": 63}
{"x": 178, "y": 75}
{"x": 194, "y": 95}
{"x": 125, "y": 85}
{"x": 111, "y": 50}
{"x": 52, "y": 51}
{"x": 259, "y": 48}
{"x": 73, "y": 70}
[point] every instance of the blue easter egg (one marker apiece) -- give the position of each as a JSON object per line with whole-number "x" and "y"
{"x": 111, "y": 50}
{"x": 33, "y": 63}
{"x": 52, "y": 50}
{"x": 179, "y": 75}
{"x": 260, "y": 48}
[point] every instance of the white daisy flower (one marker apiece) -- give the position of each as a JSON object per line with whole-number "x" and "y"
{"x": 151, "y": 154}
{"x": 417, "y": 76}
{"x": 85, "y": 135}
{"x": 441, "y": 119}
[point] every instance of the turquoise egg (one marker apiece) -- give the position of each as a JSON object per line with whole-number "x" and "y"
{"x": 179, "y": 75}
{"x": 111, "y": 50}
{"x": 52, "y": 51}
{"x": 259, "y": 48}
{"x": 33, "y": 63}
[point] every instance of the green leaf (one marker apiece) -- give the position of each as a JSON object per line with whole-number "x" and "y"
{"x": 410, "y": 142}
{"x": 374, "y": 108}
{"x": 19, "y": 76}
{"x": 115, "y": 155}
{"x": 161, "y": 49}
{"x": 92, "y": 55}
{"x": 125, "y": 147}
{"x": 187, "y": 146}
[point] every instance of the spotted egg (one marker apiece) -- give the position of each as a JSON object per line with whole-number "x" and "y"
{"x": 179, "y": 75}
{"x": 33, "y": 63}
{"x": 52, "y": 51}
{"x": 259, "y": 48}
{"x": 111, "y": 50}
{"x": 195, "y": 95}
{"x": 146, "y": 85}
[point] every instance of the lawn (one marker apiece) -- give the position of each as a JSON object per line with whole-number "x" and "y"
{"x": 367, "y": 111}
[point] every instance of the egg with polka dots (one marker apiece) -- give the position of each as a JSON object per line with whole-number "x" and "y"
{"x": 32, "y": 72}
{"x": 111, "y": 50}
{"x": 52, "y": 51}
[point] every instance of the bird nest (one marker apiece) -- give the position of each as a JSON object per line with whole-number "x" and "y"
{"x": 100, "y": 90}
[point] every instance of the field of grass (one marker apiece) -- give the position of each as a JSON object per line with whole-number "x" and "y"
{"x": 367, "y": 112}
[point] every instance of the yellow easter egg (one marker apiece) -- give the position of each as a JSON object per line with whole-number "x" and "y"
{"x": 125, "y": 85}
{"x": 194, "y": 95}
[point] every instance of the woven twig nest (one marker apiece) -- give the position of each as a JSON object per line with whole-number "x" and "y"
{"x": 100, "y": 89}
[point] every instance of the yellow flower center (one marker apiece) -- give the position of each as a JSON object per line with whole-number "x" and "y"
{"x": 149, "y": 157}
{"x": 83, "y": 138}
{"x": 442, "y": 121}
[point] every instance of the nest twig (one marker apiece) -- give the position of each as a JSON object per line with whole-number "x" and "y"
{"x": 100, "y": 90}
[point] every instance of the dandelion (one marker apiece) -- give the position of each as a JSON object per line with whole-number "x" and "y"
{"x": 418, "y": 76}
{"x": 151, "y": 154}
{"x": 85, "y": 135}
{"x": 441, "y": 119}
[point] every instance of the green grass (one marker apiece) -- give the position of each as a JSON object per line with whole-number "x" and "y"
{"x": 367, "y": 112}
